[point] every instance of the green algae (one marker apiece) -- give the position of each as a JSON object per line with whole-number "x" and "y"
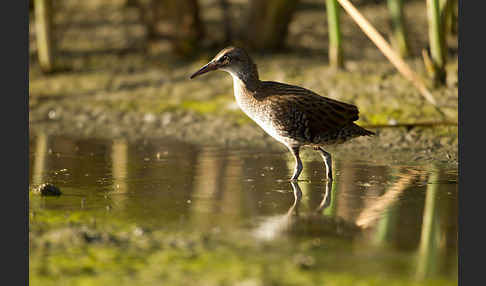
{"x": 206, "y": 262}
{"x": 171, "y": 258}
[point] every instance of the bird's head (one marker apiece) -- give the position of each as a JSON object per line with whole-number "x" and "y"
{"x": 232, "y": 60}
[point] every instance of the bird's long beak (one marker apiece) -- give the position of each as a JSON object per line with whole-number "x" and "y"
{"x": 207, "y": 68}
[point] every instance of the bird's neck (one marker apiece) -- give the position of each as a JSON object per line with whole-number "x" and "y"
{"x": 245, "y": 90}
{"x": 247, "y": 81}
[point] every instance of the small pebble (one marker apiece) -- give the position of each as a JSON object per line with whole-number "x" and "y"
{"x": 47, "y": 189}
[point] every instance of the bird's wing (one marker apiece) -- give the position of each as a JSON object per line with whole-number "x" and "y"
{"x": 305, "y": 110}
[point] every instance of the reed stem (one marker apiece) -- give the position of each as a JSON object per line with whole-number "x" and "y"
{"x": 399, "y": 36}
{"x": 428, "y": 248}
{"x": 436, "y": 41}
{"x": 43, "y": 28}
{"x": 453, "y": 17}
{"x": 389, "y": 53}
{"x": 335, "y": 48}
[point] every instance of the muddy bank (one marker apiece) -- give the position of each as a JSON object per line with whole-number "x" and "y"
{"x": 137, "y": 106}
{"x": 420, "y": 143}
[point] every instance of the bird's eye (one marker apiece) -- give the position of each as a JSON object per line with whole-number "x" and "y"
{"x": 225, "y": 59}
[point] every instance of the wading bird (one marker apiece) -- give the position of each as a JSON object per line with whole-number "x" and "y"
{"x": 293, "y": 115}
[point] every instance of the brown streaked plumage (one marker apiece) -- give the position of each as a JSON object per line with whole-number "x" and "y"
{"x": 293, "y": 115}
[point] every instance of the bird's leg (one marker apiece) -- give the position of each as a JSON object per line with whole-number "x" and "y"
{"x": 326, "y": 200}
{"x": 297, "y": 197}
{"x": 328, "y": 161}
{"x": 298, "y": 163}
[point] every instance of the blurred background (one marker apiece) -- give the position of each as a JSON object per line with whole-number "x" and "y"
{"x": 187, "y": 28}
{"x": 126, "y": 60}
{"x": 165, "y": 181}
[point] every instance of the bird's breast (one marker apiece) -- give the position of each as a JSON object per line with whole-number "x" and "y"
{"x": 256, "y": 110}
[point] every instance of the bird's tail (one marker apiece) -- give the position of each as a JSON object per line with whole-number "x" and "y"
{"x": 363, "y": 132}
{"x": 368, "y": 133}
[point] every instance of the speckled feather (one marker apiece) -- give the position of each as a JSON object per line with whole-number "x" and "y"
{"x": 300, "y": 116}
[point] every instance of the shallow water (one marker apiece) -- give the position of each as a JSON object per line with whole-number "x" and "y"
{"x": 374, "y": 218}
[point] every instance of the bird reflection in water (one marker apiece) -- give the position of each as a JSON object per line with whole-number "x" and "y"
{"x": 274, "y": 226}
